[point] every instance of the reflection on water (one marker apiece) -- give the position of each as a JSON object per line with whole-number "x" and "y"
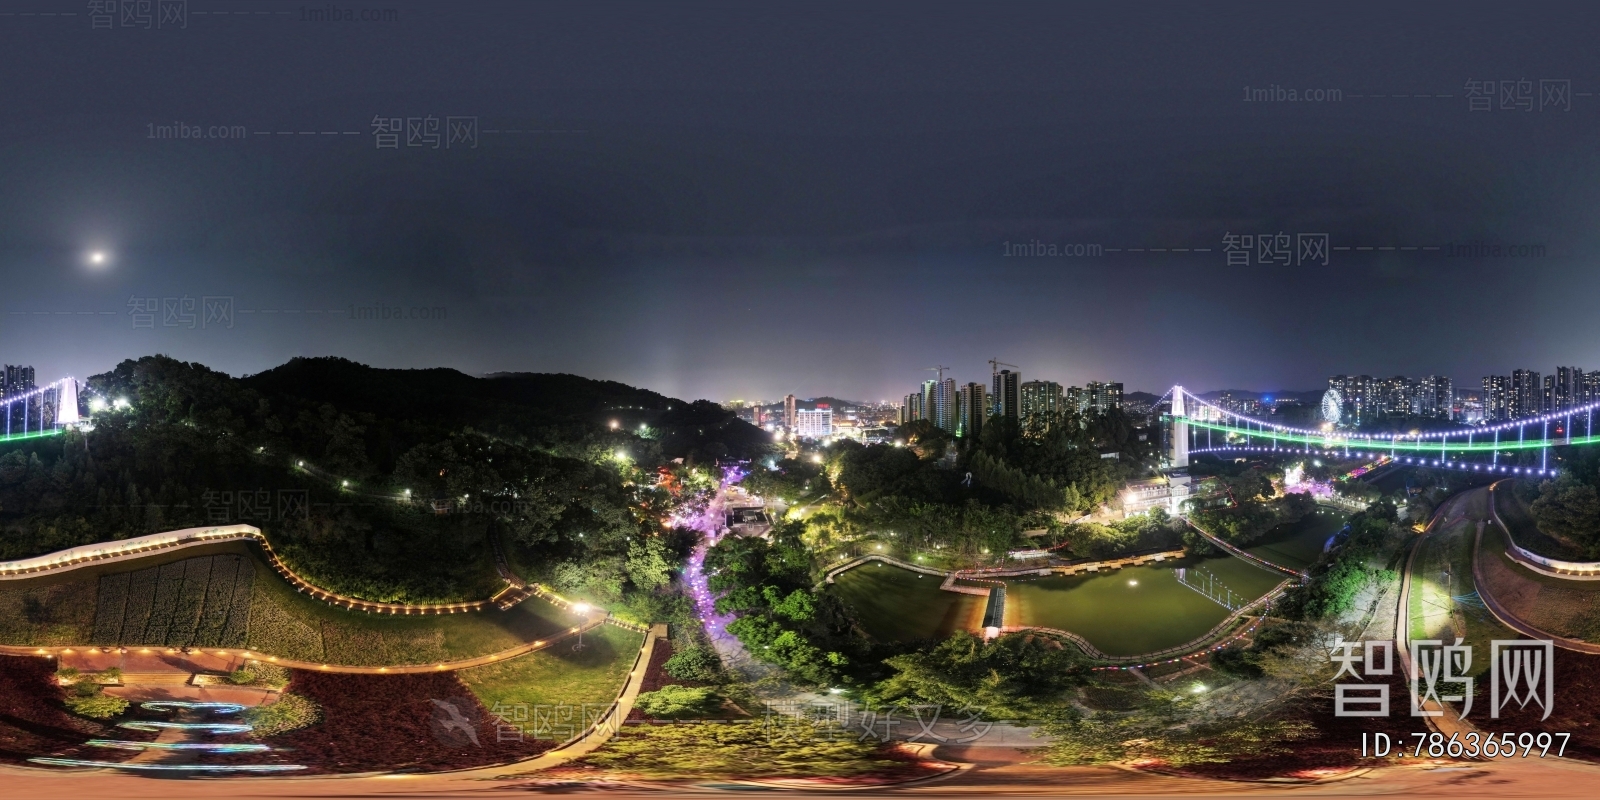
{"x": 1123, "y": 612}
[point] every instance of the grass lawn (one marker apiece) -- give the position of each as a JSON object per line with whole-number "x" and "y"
{"x": 1564, "y": 607}
{"x": 291, "y": 624}
{"x": 558, "y": 675}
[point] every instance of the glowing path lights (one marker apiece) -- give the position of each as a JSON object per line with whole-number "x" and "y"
{"x": 208, "y": 747}
{"x": 197, "y": 727}
{"x": 83, "y": 762}
{"x": 187, "y": 705}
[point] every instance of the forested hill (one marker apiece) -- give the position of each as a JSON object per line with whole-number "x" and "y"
{"x": 556, "y": 411}
{"x": 533, "y": 459}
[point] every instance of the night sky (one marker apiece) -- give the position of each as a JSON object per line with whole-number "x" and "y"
{"x": 750, "y": 199}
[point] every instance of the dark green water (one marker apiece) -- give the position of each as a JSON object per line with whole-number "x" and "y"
{"x": 1123, "y": 612}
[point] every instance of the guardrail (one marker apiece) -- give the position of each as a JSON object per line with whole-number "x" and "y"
{"x": 1553, "y": 567}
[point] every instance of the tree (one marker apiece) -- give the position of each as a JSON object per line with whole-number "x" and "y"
{"x": 678, "y": 702}
{"x": 1017, "y": 676}
{"x": 1570, "y": 512}
{"x": 648, "y": 566}
{"x": 697, "y": 663}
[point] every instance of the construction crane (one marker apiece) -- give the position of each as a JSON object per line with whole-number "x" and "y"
{"x": 995, "y": 365}
{"x": 939, "y": 369}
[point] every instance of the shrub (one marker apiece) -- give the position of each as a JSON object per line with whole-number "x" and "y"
{"x": 241, "y": 677}
{"x": 290, "y": 712}
{"x": 697, "y": 663}
{"x": 678, "y": 702}
{"x": 85, "y": 689}
{"x": 67, "y": 674}
{"x": 111, "y": 675}
{"x": 97, "y": 704}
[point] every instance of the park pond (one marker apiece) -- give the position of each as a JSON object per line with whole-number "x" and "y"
{"x": 1123, "y": 612}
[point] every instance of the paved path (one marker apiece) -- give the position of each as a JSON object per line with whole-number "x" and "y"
{"x": 316, "y": 666}
{"x": 602, "y": 730}
{"x": 1447, "y": 719}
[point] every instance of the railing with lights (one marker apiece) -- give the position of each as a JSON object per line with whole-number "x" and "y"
{"x": 1432, "y": 448}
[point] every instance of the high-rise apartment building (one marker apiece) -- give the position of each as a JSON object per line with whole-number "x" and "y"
{"x": 1527, "y": 394}
{"x": 1497, "y": 406}
{"x": 1007, "y": 397}
{"x": 941, "y": 404}
{"x": 1077, "y": 400}
{"x": 1041, "y": 399}
{"x": 789, "y": 419}
{"x": 1359, "y": 395}
{"x": 1432, "y": 396}
{"x": 911, "y": 411}
{"x": 17, "y": 380}
{"x": 1104, "y": 397}
{"x": 974, "y": 402}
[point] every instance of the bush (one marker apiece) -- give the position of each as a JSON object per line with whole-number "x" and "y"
{"x": 698, "y": 663}
{"x": 290, "y": 712}
{"x": 67, "y": 674}
{"x": 96, "y": 705}
{"x": 678, "y": 702}
{"x": 85, "y": 689}
{"x": 111, "y": 675}
{"x": 241, "y": 677}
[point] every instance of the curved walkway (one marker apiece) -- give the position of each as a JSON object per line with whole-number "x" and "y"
{"x": 1443, "y": 717}
{"x": 317, "y": 666}
{"x": 1249, "y": 557}
{"x": 1499, "y": 611}
{"x": 142, "y": 546}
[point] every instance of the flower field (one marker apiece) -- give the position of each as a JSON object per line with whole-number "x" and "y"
{"x": 47, "y": 614}
{"x": 194, "y": 602}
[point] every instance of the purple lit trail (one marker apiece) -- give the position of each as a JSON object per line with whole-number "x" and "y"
{"x": 710, "y": 525}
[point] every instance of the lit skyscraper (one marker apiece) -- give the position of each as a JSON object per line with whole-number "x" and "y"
{"x": 974, "y": 400}
{"x": 1008, "y": 394}
{"x": 1041, "y": 398}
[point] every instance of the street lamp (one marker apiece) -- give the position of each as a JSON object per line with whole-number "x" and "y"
{"x": 582, "y": 610}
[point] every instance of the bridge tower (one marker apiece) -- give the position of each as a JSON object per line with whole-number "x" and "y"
{"x": 1180, "y": 430}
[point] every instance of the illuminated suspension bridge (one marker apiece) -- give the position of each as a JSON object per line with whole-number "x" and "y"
{"x": 1517, "y": 447}
{"x": 44, "y": 411}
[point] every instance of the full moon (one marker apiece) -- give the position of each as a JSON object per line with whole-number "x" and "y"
{"x": 97, "y": 258}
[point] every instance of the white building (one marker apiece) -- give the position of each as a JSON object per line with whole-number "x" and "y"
{"x": 813, "y": 424}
